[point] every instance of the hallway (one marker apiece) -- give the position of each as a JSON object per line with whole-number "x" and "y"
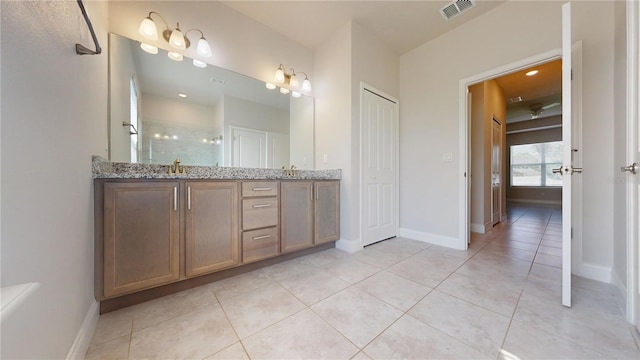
{"x": 395, "y": 299}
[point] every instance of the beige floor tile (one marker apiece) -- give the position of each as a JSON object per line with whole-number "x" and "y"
{"x": 495, "y": 250}
{"x": 361, "y": 356}
{"x": 524, "y": 342}
{"x": 409, "y": 338}
{"x": 511, "y": 274}
{"x": 113, "y": 325}
{"x": 301, "y": 336}
{"x": 595, "y": 332}
{"x": 394, "y": 290}
{"x": 550, "y": 250}
{"x": 117, "y": 348}
{"x": 351, "y": 270}
{"x": 550, "y": 260}
{"x": 378, "y": 258}
{"x": 459, "y": 254}
{"x": 486, "y": 293}
{"x": 551, "y": 243}
{"x": 289, "y": 268}
{"x": 323, "y": 258}
{"x": 514, "y": 244}
{"x": 313, "y": 286}
{"x": 252, "y": 311}
{"x": 233, "y": 352}
{"x": 422, "y": 272}
{"x": 477, "y": 327}
{"x": 170, "y": 306}
{"x": 357, "y": 315}
{"x": 242, "y": 283}
{"x": 399, "y": 247}
{"x": 191, "y": 336}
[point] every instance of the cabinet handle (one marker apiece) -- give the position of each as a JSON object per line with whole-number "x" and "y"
{"x": 261, "y": 189}
{"x": 261, "y": 206}
{"x": 261, "y": 237}
{"x": 175, "y": 198}
{"x": 189, "y": 198}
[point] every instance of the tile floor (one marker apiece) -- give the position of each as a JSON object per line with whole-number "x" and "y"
{"x": 396, "y": 299}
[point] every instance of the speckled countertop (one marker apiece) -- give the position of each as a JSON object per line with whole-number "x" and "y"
{"x": 104, "y": 169}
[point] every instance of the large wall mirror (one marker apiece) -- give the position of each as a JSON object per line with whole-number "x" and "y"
{"x": 162, "y": 110}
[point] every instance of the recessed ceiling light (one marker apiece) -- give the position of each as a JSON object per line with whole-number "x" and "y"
{"x": 182, "y": 95}
{"x": 531, "y": 73}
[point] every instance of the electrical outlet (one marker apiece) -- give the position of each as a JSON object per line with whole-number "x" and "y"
{"x": 447, "y": 157}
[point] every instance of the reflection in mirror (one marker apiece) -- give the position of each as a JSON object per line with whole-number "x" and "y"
{"x": 162, "y": 110}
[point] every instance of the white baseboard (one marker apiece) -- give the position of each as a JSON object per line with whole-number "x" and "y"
{"x": 535, "y": 201}
{"x": 83, "y": 339}
{"x": 349, "y": 246}
{"x": 620, "y": 291}
{"x": 434, "y": 239}
{"x": 593, "y": 272}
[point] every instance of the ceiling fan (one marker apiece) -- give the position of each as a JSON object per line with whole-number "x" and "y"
{"x": 538, "y": 108}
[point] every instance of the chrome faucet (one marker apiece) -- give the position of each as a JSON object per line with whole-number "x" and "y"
{"x": 289, "y": 172}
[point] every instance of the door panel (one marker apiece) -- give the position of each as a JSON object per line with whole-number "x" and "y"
{"x": 248, "y": 148}
{"x": 379, "y": 124}
{"x": 566, "y": 152}
{"x": 496, "y": 167}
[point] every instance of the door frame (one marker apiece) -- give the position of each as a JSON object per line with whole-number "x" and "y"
{"x": 366, "y": 87}
{"x": 501, "y": 152}
{"x": 464, "y": 138}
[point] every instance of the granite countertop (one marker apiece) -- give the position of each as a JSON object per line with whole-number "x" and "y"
{"x": 104, "y": 169}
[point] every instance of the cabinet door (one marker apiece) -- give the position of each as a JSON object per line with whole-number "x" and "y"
{"x": 296, "y": 200}
{"x": 211, "y": 228}
{"x": 327, "y": 211}
{"x": 141, "y": 235}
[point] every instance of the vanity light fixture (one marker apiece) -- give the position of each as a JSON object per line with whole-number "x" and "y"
{"x": 295, "y": 94}
{"x": 291, "y": 79}
{"x": 175, "y": 38}
{"x": 531, "y": 73}
{"x": 200, "y": 64}
{"x": 284, "y": 91}
{"x": 182, "y": 95}
{"x": 270, "y": 86}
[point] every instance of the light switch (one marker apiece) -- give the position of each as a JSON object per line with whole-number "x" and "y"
{"x": 447, "y": 157}
{"x": 325, "y": 158}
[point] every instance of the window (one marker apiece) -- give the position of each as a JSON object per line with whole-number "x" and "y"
{"x": 531, "y": 164}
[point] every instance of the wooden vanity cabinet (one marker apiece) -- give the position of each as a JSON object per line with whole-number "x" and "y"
{"x": 211, "y": 226}
{"x": 260, "y": 225}
{"x": 296, "y": 201}
{"x": 141, "y": 236}
{"x": 310, "y": 213}
{"x": 327, "y": 211}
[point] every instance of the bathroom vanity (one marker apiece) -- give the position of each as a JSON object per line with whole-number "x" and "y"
{"x": 158, "y": 233}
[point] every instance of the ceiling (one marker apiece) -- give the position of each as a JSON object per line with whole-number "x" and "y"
{"x": 403, "y": 25}
{"x": 543, "y": 90}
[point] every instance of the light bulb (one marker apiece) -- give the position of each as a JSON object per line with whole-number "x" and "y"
{"x": 149, "y": 48}
{"x": 175, "y": 56}
{"x": 204, "y": 49}
{"x": 148, "y": 29}
{"x": 200, "y": 64}
{"x": 306, "y": 85}
{"x": 295, "y": 94}
{"x": 284, "y": 91}
{"x": 279, "y": 78}
{"x": 293, "y": 81}
{"x": 270, "y": 86}
{"x": 177, "y": 39}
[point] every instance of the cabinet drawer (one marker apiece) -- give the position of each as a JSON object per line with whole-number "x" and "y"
{"x": 259, "y": 213}
{"x": 259, "y": 244}
{"x": 259, "y": 188}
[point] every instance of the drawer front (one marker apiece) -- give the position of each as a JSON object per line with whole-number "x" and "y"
{"x": 259, "y": 244}
{"x": 259, "y": 188}
{"x": 259, "y": 213}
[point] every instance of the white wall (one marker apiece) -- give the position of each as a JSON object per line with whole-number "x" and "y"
{"x": 429, "y": 80}
{"x": 54, "y": 110}
{"x": 238, "y": 42}
{"x": 349, "y": 57}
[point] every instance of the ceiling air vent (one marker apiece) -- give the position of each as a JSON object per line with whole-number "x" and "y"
{"x": 456, "y": 8}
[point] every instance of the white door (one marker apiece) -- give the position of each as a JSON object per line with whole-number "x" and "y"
{"x": 632, "y": 161}
{"x": 379, "y": 144}
{"x": 277, "y": 150}
{"x": 567, "y": 168}
{"x": 496, "y": 166}
{"x": 249, "y": 148}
